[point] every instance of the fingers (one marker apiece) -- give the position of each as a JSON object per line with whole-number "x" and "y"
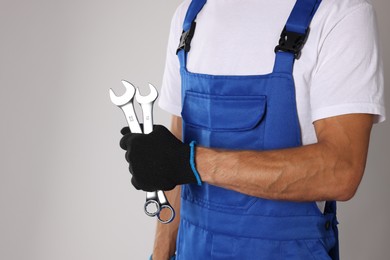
{"x": 138, "y": 147}
{"x": 158, "y": 127}
{"x": 125, "y": 130}
{"x": 123, "y": 142}
{"x": 127, "y": 140}
{"x": 135, "y": 184}
{"x": 127, "y": 156}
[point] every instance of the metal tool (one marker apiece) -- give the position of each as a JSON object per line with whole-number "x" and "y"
{"x": 125, "y": 103}
{"x": 155, "y": 201}
{"x": 158, "y": 197}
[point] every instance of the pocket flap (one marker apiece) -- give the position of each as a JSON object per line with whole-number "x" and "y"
{"x": 223, "y": 113}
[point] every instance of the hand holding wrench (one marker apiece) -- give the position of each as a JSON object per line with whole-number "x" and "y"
{"x": 125, "y": 103}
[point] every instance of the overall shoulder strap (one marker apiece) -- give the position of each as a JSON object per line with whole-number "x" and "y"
{"x": 192, "y": 12}
{"x": 301, "y": 15}
{"x": 295, "y": 34}
{"x": 188, "y": 30}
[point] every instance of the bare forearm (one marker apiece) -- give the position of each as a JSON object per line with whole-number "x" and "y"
{"x": 300, "y": 174}
{"x": 327, "y": 170}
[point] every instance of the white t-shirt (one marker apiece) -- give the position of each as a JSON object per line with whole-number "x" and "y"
{"x": 339, "y": 72}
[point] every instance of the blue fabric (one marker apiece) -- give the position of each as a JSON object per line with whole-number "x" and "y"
{"x": 301, "y": 15}
{"x": 193, "y": 10}
{"x": 257, "y": 113}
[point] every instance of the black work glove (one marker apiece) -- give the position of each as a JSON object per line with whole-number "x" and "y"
{"x": 157, "y": 161}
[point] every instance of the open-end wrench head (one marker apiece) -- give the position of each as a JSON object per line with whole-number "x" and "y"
{"x": 126, "y": 97}
{"x": 151, "y": 97}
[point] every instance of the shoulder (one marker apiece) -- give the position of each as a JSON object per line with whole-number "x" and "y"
{"x": 178, "y": 19}
{"x": 342, "y": 5}
{"x": 343, "y": 18}
{"x": 180, "y": 12}
{"x": 336, "y": 10}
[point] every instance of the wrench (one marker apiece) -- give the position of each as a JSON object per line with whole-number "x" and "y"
{"x": 158, "y": 197}
{"x": 125, "y": 103}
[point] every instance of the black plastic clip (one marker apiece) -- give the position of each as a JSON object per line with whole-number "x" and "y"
{"x": 292, "y": 42}
{"x": 186, "y": 38}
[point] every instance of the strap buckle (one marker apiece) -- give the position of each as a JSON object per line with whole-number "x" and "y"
{"x": 292, "y": 42}
{"x": 186, "y": 38}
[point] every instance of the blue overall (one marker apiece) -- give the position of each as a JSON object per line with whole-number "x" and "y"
{"x": 248, "y": 113}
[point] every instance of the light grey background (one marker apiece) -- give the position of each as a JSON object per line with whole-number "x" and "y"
{"x": 64, "y": 187}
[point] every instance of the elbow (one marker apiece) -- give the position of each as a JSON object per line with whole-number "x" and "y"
{"x": 348, "y": 183}
{"x": 346, "y": 193}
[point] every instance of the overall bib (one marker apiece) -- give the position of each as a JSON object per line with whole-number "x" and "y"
{"x": 248, "y": 113}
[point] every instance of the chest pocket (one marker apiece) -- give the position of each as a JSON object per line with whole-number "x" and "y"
{"x": 230, "y": 122}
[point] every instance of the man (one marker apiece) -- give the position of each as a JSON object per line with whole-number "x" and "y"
{"x": 276, "y": 135}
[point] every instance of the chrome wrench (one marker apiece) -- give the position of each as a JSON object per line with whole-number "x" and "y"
{"x": 158, "y": 197}
{"x": 125, "y": 103}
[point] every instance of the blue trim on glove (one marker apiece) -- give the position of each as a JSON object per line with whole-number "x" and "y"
{"x": 192, "y": 163}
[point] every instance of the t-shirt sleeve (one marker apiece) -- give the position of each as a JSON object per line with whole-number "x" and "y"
{"x": 170, "y": 96}
{"x": 348, "y": 77}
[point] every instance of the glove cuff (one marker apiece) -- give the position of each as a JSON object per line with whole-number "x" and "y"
{"x": 192, "y": 163}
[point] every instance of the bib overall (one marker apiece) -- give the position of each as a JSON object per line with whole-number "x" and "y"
{"x": 255, "y": 112}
